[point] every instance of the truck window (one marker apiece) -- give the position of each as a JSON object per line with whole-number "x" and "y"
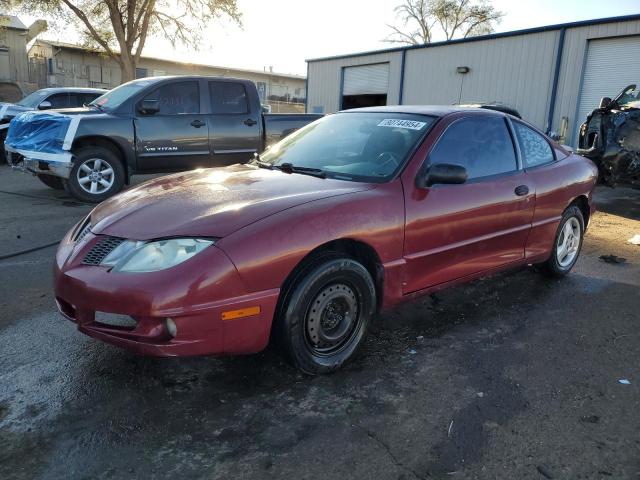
{"x": 228, "y": 97}
{"x": 86, "y": 98}
{"x": 59, "y": 100}
{"x": 176, "y": 98}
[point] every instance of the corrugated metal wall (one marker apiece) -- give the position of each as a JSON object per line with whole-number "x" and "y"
{"x": 516, "y": 70}
{"x": 572, "y": 67}
{"x": 324, "y": 79}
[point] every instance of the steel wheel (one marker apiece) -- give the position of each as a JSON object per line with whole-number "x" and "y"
{"x": 332, "y": 318}
{"x": 95, "y": 176}
{"x": 568, "y": 242}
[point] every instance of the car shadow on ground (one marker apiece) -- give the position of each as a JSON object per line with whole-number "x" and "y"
{"x": 621, "y": 201}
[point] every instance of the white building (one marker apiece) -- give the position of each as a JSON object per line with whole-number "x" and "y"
{"x": 554, "y": 76}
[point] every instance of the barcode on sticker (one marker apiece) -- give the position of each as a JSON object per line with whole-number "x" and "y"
{"x": 395, "y": 123}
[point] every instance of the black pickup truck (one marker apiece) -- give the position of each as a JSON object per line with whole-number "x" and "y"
{"x": 150, "y": 125}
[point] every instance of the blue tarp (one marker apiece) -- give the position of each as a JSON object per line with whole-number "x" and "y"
{"x": 40, "y": 132}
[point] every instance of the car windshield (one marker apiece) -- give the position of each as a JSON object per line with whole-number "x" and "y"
{"x": 630, "y": 98}
{"x": 33, "y": 100}
{"x": 358, "y": 146}
{"x": 116, "y": 97}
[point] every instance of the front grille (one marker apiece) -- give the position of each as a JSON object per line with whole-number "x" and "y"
{"x": 115, "y": 320}
{"x": 101, "y": 249}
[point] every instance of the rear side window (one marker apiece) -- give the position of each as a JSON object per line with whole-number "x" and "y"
{"x": 59, "y": 100}
{"x": 534, "y": 147}
{"x": 228, "y": 97}
{"x": 177, "y": 98}
{"x": 482, "y": 145}
{"x": 87, "y": 98}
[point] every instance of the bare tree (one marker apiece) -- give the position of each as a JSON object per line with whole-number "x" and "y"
{"x": 121, "y": 27}
{"x": 453, "y": 18}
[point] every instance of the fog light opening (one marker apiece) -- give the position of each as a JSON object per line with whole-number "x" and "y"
{"x": 171, "y": 327}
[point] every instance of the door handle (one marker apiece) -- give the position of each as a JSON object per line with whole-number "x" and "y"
{"x": 198, "y": 124}
{"x": 522, "y": 190}
{"x": 250, "y": 122}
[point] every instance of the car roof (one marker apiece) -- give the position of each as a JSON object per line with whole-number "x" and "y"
{"x": 162, "y": 78}
{"x": 73, "y": 90}
{"x": 431, "y": 110}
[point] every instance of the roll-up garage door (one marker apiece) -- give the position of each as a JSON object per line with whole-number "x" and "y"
{"x": 612, "y": 64}
{"x": 366, "y": 79}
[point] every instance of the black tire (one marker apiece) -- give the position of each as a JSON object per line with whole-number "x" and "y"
{"x": 88, "y": 156}
{"x": 554, "y": 266}
{"x": 322, "y": 341}
{"x": 3, "y": 155}
{"x": 50, "y": 181}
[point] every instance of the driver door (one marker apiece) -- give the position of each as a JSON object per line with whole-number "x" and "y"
{"x": 454, "y": 231}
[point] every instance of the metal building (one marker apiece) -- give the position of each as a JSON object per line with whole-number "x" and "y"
{"x": 554, "y": 76}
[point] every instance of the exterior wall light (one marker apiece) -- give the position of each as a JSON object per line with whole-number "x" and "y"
{"x": 463, "y": 70}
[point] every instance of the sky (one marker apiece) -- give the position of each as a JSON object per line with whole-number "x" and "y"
{"x": 284, "y": 33}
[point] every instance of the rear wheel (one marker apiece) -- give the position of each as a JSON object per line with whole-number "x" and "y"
{"x": 52, "y": 182}
{"x": 96, "y": 175}
{"x": 567, "y": 244}
{"x": 326, "y": 314}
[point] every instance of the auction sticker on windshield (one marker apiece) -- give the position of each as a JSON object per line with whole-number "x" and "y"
{"x": 396, "y": 123}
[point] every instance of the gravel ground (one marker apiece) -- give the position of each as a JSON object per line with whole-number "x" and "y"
{"x": 515, "y": 376}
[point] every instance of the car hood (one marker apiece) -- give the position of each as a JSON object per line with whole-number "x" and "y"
{"x": 10, "y": 110}
{"x": 211, "y": 202}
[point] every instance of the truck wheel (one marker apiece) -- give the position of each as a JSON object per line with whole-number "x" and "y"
{"x": 52, "y": 182}
{"x": 326, "y": 314}
{"x": 567, "y": 243}
{"x": 96, "y": 175}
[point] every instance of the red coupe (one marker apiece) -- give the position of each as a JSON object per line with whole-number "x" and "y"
{"x": 354, "y": 213}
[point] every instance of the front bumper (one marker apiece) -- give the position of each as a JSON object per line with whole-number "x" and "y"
{"x": 38, "y": 164}
{"x": 193, "y": 295}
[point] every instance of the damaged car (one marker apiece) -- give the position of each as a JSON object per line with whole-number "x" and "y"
{"x": 45, "y": 99}
{"x": 352, "y": 214}
{"x": 611, "y": 137}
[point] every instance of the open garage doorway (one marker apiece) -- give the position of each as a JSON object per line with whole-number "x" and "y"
{"x": 365, "y": 86}
{"x": 358, "y": 101}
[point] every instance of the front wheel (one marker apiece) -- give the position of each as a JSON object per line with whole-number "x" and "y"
{"x": 96, "y": 175}
{"x": 327, "y": 314}
{"x": 567, "y": 243}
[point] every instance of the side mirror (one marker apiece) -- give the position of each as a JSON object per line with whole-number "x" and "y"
{"x": 149, "y": 107}
{"x": 604, "y": 102}
{"x": 444, "y": 173}
{"x": 45, "y": 105}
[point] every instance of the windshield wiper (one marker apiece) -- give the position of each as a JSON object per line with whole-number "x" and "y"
{"x": 290, "y": 168}
{"x": 95, "y": 105}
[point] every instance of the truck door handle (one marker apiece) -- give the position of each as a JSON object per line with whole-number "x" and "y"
{"x": 250, "y": 122}
{"x": 522, "y": 190}
{"x": 197, "y": 124}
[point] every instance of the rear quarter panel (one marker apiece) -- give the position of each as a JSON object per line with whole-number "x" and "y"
{"x": 557, "y": 185}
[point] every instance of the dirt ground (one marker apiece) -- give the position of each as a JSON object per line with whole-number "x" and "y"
{"x": 515, "y": 376}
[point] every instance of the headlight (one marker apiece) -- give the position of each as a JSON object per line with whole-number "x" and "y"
{"x": 133, "y": 256}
